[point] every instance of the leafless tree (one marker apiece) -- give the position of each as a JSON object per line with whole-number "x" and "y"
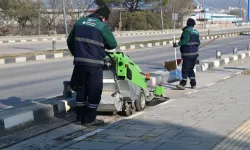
{"x": 23, "y": 16}
{"x": 82, "y": 7}
{"x": 50, "y": 13}
{"x": 182, "y": 7}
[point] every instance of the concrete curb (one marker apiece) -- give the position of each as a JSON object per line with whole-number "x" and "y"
{"x": 205, "y": 65}
{"x": 120, "y": 48}
{"x": 244, "y": 33}
{"x": 33, "y": 58}
{"x": 23, "y": 116}
{"x": 115, "y": 34}
{"x": 63, "y": 38}
{"x": 32, "y": 40}
{"x": 210, "y": 64}
{"x": 145, "y": 33}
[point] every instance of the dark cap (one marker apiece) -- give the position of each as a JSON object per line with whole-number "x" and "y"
{"x": 191, "y": 22}
{"x": 103, "y": 11}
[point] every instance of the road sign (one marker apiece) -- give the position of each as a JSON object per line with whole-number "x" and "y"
{"x": 174, "y": 16}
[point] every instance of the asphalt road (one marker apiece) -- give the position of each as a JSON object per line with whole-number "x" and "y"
{"x": 47, "y": 45}
{"x": 23, "y": 83}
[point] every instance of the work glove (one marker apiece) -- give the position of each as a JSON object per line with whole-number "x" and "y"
{"x": 175, "y": 45}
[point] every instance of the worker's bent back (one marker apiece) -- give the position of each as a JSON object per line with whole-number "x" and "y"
{"x": 88, "y": 41}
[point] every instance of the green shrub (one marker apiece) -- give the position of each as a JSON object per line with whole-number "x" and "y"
{"x": 140, "y": 20}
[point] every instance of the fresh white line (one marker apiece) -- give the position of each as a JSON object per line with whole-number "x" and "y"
{"x": 130, "y": 117}
{"x": 135, "y": 115}
{"x": 88, "y": 134}
{"x": 167, "y": 102}
{"x": 191, "y": 92}
{"x": 188, "y": 93}
{"x": 238, "y": 73}
{"x": 225, "y": 78}
{"x": 210, "y": 84}
{"x": 100, "y": 130}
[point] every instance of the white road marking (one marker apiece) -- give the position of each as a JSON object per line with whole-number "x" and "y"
{"x": 227, "y": 77}
{"x": 88, "y": 134}
{"x": 238, "y": 73}
{"x": 167, "y": 102}
{"x": 135, "y": 115}
{"x": 210, "y": 84}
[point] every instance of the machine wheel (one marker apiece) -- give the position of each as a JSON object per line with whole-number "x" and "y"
{"x": 128, "y": 110}
{"x": 140, "y": 103}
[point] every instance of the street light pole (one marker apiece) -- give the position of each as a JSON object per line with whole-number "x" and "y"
{"x": 65, "y": 18}
{"x": 39, "y": 21}
{"x": 162, "y": 24}
{"x": 120, "y": 23}
{"x": 39, "y": 16}
{"x": 204, "y": 14}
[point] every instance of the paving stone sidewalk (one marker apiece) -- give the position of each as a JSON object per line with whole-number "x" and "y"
{"x": 198, "y": 121}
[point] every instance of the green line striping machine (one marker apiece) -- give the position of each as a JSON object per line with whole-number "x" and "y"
{"x": 125, "y": 86}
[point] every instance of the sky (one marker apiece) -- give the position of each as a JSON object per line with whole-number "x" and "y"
{"x": 225, "y": 3}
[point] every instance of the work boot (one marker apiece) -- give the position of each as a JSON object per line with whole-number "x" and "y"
{"x": 180, "y": 87}
{"x": 96, "y": 122}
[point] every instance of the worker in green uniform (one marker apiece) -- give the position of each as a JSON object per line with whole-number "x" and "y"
{"x": 189, "y": 46}
{"x": 87, "y": 42}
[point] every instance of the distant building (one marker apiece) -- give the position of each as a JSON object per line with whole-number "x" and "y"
{"x": 216, "y": 16}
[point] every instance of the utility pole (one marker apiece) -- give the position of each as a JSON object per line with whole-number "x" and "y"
{"x": 162, "y": 24}
{"x": 174, "y": 17}
{"x": 120, "y": 23}
{"x": 65, "y": 18}
{"x": 39, "y": 21}
{"x": 204, "y": 13}
{"x": 39, "y": 18}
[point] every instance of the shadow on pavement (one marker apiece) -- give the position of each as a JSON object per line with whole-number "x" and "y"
{"x": 157, "y": 129}
{"x": 235, "y": 68}
{"x": 13, "y": 101}
{"x": 159, "y": 134}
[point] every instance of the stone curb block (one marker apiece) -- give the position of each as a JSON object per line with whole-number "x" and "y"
{"x": 31, "y": 40}
{"x": 125, "y": 34}
{"x": 215, "y": 63}
{"x": 20, "y": 117}
{"x": 33, "y": 58}
{"x": 63, "y": 38}
{"x": 66, "y": 54}
{"x": 244, "y": 33}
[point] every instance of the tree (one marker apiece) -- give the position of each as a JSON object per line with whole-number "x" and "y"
{"x": 130, "y": 5}
{"x": 182, "y": 7}
{"x": 25, "y": 15}
{"x": 82, "y": 6}
{"x": 77, "y": 9}
{"x": 50, "y": 12}
{"x": 4, "y": 17}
